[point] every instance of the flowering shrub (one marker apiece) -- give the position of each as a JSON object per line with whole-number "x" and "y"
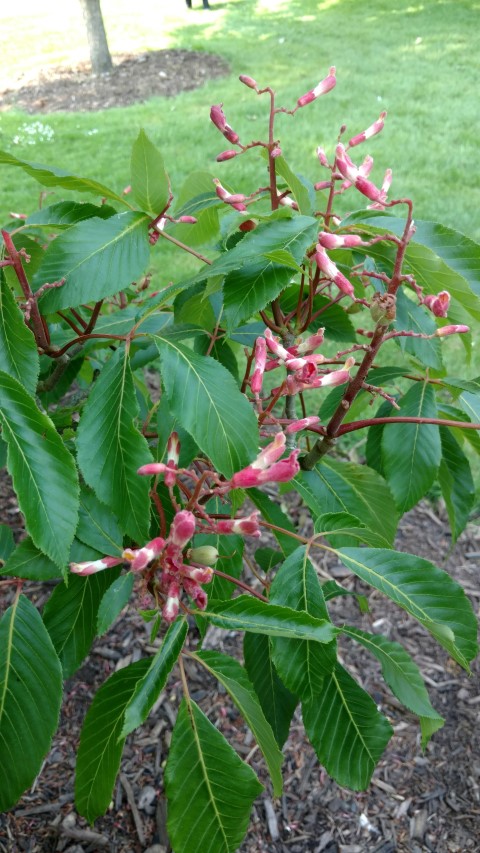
{"x": 265, "y": 358}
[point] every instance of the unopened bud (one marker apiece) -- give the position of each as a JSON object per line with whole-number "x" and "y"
{"x": 277, "y": 151}
{"x": 226, "y": 155}
{"x": 321, "y": 89}
{"x": 451, "y": 330}
{"x": 248, "y": 225}
{"x": 206, "y": 555}
{"x": 187, "y": 220}
{"x": 248, "y": 81}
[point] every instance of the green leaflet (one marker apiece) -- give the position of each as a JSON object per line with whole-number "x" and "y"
{"x": 30, "y": 698}
{"x": 111, "y": 449}
{"x": 42, "y": 469}
{"x": 100, "y": 749}
{"x": 18, "y": 350}
{"x": 150, "y": 184}
{"x": 113, "y": 601}
{"x": 456, "y": 483}
{"x": 278, "y": 704}
{"x": 204, "y": 772}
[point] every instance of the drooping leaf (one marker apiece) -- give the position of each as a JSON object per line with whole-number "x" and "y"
{"x": 347, "y": 731}
{"x": 151, "y": 684}
{"x": 28, "y": 562}
{"x": 97, "y": 526}
{"x": 70, "y": 616}
{"x": 30, "y": 698}
{"x": 18, "y": 350}
{"x": 277, "y": 702}
{"x": 111, "y": 449}
{"x": 42, "y": 469}
{"x": 303, "y": 191}
{"x": 209, "y": 405}
{"x": 249, "y": 614}
{"x": 49, "y": 176}
{"x": 150, "y": 184}
{"x": 402, "y": 676}
{"x": 236, "y": 681}
{"x": 301, "y": 664}
{"x": 96, "y": 257}
{"x": 456, "y": 483}
{"x": 411, "y": 453}
{"x": 423, "y": 590}
{"x": 113, "y": 601}
{"x": 100, "y": 749}
{"x": 204, "y": 772}
{"x": 336, "y": 486}
{"x": 63, "y": 214}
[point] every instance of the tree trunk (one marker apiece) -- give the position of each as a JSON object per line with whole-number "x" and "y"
{"x": 97, "y": 40}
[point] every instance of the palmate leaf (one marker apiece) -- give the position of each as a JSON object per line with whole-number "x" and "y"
{"x": 335, "y": 486}
{"x": 18, "y": 350}
{"x": 111, "y": 449}
{"x": 236, "y": 681}
{"x": 101, "y": 747}
{"x": 150, "y": 184}
{"x": 301, "y": 664}
{"x": 43, "y": 471}
{"x": 97, "y": 258}
{"x": 278, "y": 704}
{"x": 245, "y": 613}
{"x": 209, "y": 789}
{"x": 402, "y": 676}
{"x": 423, "y": 590}
{"x": 411, "y": 453}
{"x": 206, "y": 400}
{"x": 30, "y": 698}
{"x": 456, "y": 483}
{"x": 346, "y": 730}
{"x": 149, "y": 687}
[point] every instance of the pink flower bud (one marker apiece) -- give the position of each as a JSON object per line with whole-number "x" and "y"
{"x": 311, "y": 343}
{"x": 366, "y": 167}
{"x": 140, "y": 558}
{"x": 332, "y": 272}
{"x": 259, "y": 366}
{"x": 282, "y": 471}
{"x": 152, "y": 468}
{"x": 188, "y": 220}
{"x": 336, "y": 377}
{"x": 235, "y": 200}
{"x": 451, "y": 330}
{"x": 92, "y": 567}
{"x": 322, "y": 185}
{"x": 247, "y": 526}
{"x": 303, "y": 423}
{"x": 438, "y": 304}
{"x": 277, "y": 151}
{"x": 270, "y": 453}
{"x": 226, "y": 155}
{"x": 218, "y": 117}
{"x": 374, "y": 128}
{"x": 173, "y": 448}
{"x": 196, "y": 592}
{"x": 248, "y": 81}
{"x": 276, "y": 347}
{"x": 322, "y": 157}
{"x": 172, "y": 604}
{"x": 230, "y": 134}
{"x": 321, "y": 89}
{"x": 182, "y": 528}
{"x": 286, "y": 201}
{"x": 368, "y": 189}
{"x": 203, "y": 574}
{"x": 344, "y": 164}
{"x": 338, "y": 241}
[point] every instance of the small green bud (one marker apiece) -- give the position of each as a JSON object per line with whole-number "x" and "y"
{"x": 206, "y": 555}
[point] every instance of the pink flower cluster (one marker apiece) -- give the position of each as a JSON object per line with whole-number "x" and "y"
{"x": 438, "y": 304}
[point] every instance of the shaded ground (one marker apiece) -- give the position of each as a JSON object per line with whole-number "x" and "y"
{"x": 134, "y": 78}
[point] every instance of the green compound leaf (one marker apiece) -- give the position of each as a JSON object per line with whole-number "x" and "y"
{"x": 100, "y": 748}
{"x": 236, "y": 681}
{"x": 347, "y": 732}
{"x": 210, "y": 791}
{"x": 152, "y": 683}
{"x": 301, "y": 664}
{"x": 113, "y": 601}
{"x": 111, "y": 449}
{"x": 278, "y": 704}
{"x": 43, "y": 471}
{"x": 403, "y": 677}
{"x": 411, "y": 453}
{"x": 207, "y": 402}
{"x": 30, "y": 698}
{"x": 456, "y": 483}
{"x": 150, "y": 185}
{"x": 18, "y": 350}
{"x": 96, "y": 257}
{"x": 424, "y": 591}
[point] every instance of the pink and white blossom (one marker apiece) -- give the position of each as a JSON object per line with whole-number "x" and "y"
{"x": 91, "y": 567}
{"x": 321, "y": 88}
{"x": 438, "y": 304}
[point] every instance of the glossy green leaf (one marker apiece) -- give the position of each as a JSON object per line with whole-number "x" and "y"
{"x": 402, "y": 676}
{"x": 7, "y": 543}
{"x": 70, "y": 616}
{"x": 411, "y": 453}
{"x": 250, "y": 614}
{"x": 423, "y": 590}
{"x": 111, "y": 449}
{"x": 114, "y": 600}
{"x": 151, "y": 684}
{"x": 63, "y": 214}
{"x": 273, "y": 514}
{"x": 341, "y": 528}
{"x": 470, "y": 403}
{"x": 281, "y": 256}
{"x": 197, "y": 198}
{"x": 347, "y": 731}
{"x": 301, "y": 664}
{"x": 250, "y": 288}
{"x": 28, "y": 562}
{"x": 97, "y": 258}
{"x": 303, "y": 191}
{"x": 208, "y": 403}
{"x": 100, "y": 749}
{"x": 42, "y": 469}
{"x": 150, "y": 184}
{"x": 49, "y": 176}
{"x": 336, "y": 486}
{"x": 18, "y": 350}
{"x": 414, "y": 318}
{"x": 209, "y": 789}
{"x": 237, "y": 683}
{"x": 97, "y": 526}
{"x": 277, "y": 702}
{"x": 30, "y": 698}
{"x": 456, "y": 483}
